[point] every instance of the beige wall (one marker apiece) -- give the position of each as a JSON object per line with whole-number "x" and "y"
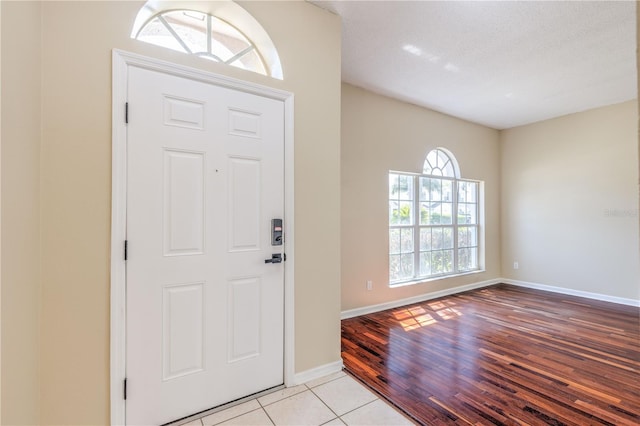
{"x": 0, "y": 215}
{"x": 75, "y": 171}
{"x": 381, "y": 134}
{"x": 570, "y": 202}
{"x": 55, "y": 174}
{"x": 20, "y": 211}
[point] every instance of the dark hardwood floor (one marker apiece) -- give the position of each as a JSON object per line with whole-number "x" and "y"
{"x": 502, "y": 355}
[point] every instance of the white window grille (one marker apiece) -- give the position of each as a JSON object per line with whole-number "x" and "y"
{"x": 434, "y": 227}
{"x": 232, "y": 37}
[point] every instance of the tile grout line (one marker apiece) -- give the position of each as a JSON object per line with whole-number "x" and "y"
{"x": 234, "y": 417}
{"x": 310, "y": 389}
{"x": 325, "y": 404}
{"x": 357, "y": 408}
{"x": 267, "y": 414}
{"x": 354, "y": 409}
{"x": 262, "y": 406}
{"x": 281, "y": 399}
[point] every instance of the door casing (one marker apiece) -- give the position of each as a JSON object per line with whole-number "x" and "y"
{"x": 121, "y": 61}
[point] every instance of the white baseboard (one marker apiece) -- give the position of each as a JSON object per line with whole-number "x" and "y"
{"x": 415, "y": 299}
{"x": 428, "y": 296}
{"x": 316, "y": 373}
{"x": 571, "y": 292}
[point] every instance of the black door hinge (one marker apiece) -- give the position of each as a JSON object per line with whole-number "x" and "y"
{"x": 126, "y": 246}
{"x": 125, "y": 389}
{"x": 126, "y": 112}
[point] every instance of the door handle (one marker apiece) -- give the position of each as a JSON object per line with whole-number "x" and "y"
{"x": 275, "y": 258}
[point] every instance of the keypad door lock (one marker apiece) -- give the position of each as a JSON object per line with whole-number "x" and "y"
{"x": 276, "y": 232}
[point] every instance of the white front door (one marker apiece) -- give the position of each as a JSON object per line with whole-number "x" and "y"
{"x": 205, "y": 313}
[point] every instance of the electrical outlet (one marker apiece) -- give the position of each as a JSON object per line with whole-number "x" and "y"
{"x": 515, "y": 265}
{"x": 369, "y": 285}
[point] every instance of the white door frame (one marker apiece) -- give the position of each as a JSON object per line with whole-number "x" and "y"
{"x": 121, "y": 61}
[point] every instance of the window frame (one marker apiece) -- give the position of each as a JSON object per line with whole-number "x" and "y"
{"x": 168, "y": 20}
{"x": 417, "y": 276}
{"x": 229, "y": 13}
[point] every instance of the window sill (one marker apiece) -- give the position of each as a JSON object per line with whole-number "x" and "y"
{"x": 430, "y": 279}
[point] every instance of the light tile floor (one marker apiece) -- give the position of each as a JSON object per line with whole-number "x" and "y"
{"x": 337, "y": 399}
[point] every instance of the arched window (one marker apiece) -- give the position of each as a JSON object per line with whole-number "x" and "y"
{"x": 434, "y": 226}
{"x": 441, "y": 162}
{"x": 225, "y": 33}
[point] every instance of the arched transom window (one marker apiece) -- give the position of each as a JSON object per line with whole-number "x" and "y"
{"x": 434, "y": 221}
{"x": 440, "y": 163}
{"x": 230, "y": 35}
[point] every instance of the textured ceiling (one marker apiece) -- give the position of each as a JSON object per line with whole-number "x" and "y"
{"x": 500, "y": 64}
